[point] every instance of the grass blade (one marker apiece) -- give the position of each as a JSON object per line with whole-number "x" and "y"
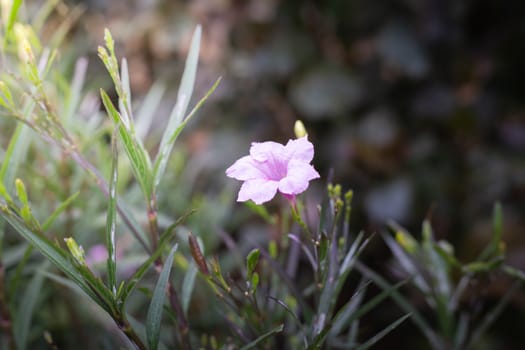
{"x": 148, "y": 107}
{"x": 165, "y": 149}
{"x": 58, "y": 257}
{"x": 491, "y": 316}
{"x": 49, "y": 221}
{"x": 112, "y": 218}
{"x": 402, "y": 302}
{"x": 15, "y": 6}
{"x": 22, "y": 322}
{"x": 186, "y": 88}
{"x": 372, "y": 341}
{"x": 156, "y": 306}
{"x": 139, "y": 158}
{"x": 253, "y": 344}
{"x": 187, "y": 286}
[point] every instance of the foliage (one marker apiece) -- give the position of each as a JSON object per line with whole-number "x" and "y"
{"x": 74, "y": 179}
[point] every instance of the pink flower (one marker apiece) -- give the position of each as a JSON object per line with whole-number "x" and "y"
{"x": 271, "y": 167}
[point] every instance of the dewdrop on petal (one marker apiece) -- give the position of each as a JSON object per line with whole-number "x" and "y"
{"x": 299, "y": 129}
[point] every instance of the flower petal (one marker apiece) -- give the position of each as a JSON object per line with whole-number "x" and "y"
{"x": 263, "y": 151}
{"x": 296, "y": 181}
{"x": 244, "y": 169}
{"x": 300, "y": 149}
{"x": 258, "y": 190}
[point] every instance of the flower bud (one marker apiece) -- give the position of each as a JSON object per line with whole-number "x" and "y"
{"x": 299, "y": 129}
{"x": 75, "y": 250}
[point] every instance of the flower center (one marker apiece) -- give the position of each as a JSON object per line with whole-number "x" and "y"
{"x": 275, "y": 169}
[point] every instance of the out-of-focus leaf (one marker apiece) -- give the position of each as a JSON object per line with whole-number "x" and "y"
{"x": 492, "y": 315}
{"x": 402, "y": 302}
{"x": 15, "y": 6}
{"x": 148, "y": 107}
{"x": 59, "y": 258}
{"x": 251, "y": 261}
{"x": 124, "y": 292}
{"x": 372, "y": 341}
{"x": 254, "y": 344}
{"x": 165, "y": 149}
{"x": 187, "y": 286}
{"x": 154, "y": 316}
{"x": 49, "y": 221}
{"x": 22, "y": 322}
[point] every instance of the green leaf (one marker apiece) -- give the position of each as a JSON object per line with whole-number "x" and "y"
{"x": 165, "y": 148}
{"x": 74, "y": 90}
{"x": 125, "y": 99}
{"x": 493, "y": 314}
{"x": 59, "y": 258}
{"x": 402, "y": 302}
{"x": 22, "y": 322}
{"x": 185, "y": 89}
{"x": 251, "y": 261}
{"x": 261, "y": 211}
{"x": 350, "y": 312}
{"x": 148, "y": 107}
{"x": 6, "y": 98}
{"x": 139, "y": 273}
{"x": 15, "y": 154}
{"x": 154, "y": 316}
{"x": 187, "y": 286}
{"x": 111, "y": 221}
{"x": 408, "y": 263}
{"x": 497, "y": 229}
{"x": 253, "y": 344}
{"x": 12, "y": 16}
{"x": 372, "y": 341}
{"x": 139, "y": 158}
{"x": 49, "y": 221}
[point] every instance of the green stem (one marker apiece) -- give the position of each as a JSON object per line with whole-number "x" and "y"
{"x": 153, "y": 224}
{"x": 184, "y": 329}
{"x": 174, "y": 300}
{"x": 126, "y": 328}
{"x": 104, "y": 187}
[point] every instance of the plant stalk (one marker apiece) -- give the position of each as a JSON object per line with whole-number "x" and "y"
{"x": 126, "y": 328}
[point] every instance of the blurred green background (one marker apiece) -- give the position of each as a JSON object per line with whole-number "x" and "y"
{"x": 416, "y": 105}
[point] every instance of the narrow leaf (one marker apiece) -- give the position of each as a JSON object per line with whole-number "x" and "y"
{"x": 154, "y": 317}
{"x": 49, "y": 221}
{"x": 22, "y": 323}
{"x": 186, "y": 87}
{"x": 253, "y": 344}
{"x": 148, "y": 107}
{"x": 165, "y": 148}
{"x": 372, "y": 341}
{"x": 139, "y": 158}
{"x": 187, "y": 286}
{"x": 251, "y": 261}
{"x": 112, "y": 219}
{"x": 57, "y": 256}
{"x": 15, "y": 6}
{"x": 402, "y": 302}
{"x": 139, "y": 273}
